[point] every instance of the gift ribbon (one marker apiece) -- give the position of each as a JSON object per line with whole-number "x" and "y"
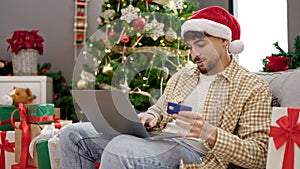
{"x": 24, "y": 126}
{"x": 5, "y": 146}
{"x": 289, "y": 132}
{"x": 35, "y": 119}
{"x": 5, "y": 122}
{"x": 48, "y": 132}
{"x": 57, "y": 123}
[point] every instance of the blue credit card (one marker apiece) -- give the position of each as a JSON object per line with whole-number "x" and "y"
{"x": 174, "y": 108}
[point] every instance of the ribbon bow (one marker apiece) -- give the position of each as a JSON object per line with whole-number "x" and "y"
{"x": 289, "y": 132}
{"x": 5, "y": 146}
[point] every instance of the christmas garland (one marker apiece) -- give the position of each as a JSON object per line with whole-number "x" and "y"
{"x": 61, "y": 88}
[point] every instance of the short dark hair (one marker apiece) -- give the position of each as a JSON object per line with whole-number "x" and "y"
{"x": 191, "y": 35}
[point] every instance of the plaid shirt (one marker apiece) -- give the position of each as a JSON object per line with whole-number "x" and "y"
{"x": 238, "y": 103}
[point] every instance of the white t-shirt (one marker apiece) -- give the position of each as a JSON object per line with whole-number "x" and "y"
{"x": 196, "y": 99}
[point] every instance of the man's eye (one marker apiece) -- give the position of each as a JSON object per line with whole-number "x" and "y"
{"x": 200, "y": 46}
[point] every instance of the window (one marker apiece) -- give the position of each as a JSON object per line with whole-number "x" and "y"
{"x": 262, "y": 23}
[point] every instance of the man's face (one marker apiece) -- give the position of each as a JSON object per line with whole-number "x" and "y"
{"x": 207, "y": 53}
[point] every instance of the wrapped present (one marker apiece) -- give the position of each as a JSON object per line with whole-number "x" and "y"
{"x": 23, "y": 139}
{"x": 40, "y": 113}
{"x": 23, "y": 151}
{"x": 54, "y": 152}
{"x": 18, "y": 166}
{"x": 43, "y": 154}
{"x": 6, "y": 112}
{"x": 284, "y": 142}
{"x": 57, "y": 112}
{"x": 7, "y": 149}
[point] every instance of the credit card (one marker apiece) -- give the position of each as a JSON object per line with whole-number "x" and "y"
{"x": 174, "y": 108}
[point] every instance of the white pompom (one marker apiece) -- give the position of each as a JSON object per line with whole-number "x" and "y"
{"x": 236, "y": 47}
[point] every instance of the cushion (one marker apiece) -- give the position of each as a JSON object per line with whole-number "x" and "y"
{"x": 285, "y": 86}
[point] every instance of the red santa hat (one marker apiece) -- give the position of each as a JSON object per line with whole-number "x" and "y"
{"x": 217, "y": 22}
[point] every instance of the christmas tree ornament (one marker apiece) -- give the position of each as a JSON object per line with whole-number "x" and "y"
{"x": 107, "y": 68}
{"x": 139, "y": 23}
{"x": 179, "y": 4}
{"x": 129, "y": 13}
{"x": 2, "y": 65}
{"x": 82, "y": 84}
{"x": 111, "y": 34}
{"x": 125, "y": 38}
{"x": 109, "y": 14}
{"x": 99, "y": 20}
{"x": 155, "y": 29}
{"x": 171, "y": 35}
{"x": 89, "y": 77}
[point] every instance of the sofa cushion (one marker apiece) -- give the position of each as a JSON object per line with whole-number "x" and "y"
{"x": 284, "y": 86}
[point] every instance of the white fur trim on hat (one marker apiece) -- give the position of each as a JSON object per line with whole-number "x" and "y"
{"x": 210, "y": 27}
{"x": 236, "y": 46}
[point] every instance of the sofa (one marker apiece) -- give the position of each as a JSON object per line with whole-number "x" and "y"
{"x": 285, "y": 86}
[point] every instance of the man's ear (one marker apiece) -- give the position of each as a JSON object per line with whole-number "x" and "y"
{"x": 225, "y": 42}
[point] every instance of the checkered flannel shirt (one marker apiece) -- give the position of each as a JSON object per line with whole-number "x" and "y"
{"x": 238, "y": 103}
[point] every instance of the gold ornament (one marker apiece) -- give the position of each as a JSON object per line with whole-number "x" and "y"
{"x": 82, "y": 84}
{"x": 171, "y": 35}
{"x": 107, "y": 69}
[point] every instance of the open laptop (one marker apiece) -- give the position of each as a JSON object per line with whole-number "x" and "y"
{"x": 111, "y": 112}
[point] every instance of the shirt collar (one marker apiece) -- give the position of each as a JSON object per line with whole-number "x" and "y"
{"x": 230, "y": 70}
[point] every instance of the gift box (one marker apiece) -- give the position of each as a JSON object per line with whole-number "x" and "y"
{"x": 5, "y": 122}
{"x": 284, "y": 142}
{"x": 54, "y": 152}
{"x": 17, "y": 166}
{"x": 35, "y": 131}
{"x": 43, "y": 154}
{"x": 40, "y": 113}
{"x": 57, "y": 112}
{"x": 7, "y": 149}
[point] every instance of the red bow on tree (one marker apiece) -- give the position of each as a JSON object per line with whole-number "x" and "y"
{"x": 289, "y": 132}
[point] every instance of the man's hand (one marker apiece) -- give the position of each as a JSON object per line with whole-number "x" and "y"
{"x": 147, "y": 119}
{"x": 196, "y": 126}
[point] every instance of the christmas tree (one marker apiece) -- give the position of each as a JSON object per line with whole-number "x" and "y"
{"x": 137, "y": 48}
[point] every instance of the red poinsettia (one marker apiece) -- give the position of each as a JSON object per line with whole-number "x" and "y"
{"x": 23, "y": 39}
{"x": 277, "y": 63}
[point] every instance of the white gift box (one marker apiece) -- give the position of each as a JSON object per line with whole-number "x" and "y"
{"x": 9, "y": 156}
{"x": 54, "y": 152}
{"x": 275, "y": 156}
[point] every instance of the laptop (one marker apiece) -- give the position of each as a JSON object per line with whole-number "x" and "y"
{"x": 111, "y": 112}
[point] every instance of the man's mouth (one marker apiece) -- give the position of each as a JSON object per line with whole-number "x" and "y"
{"x": 199, "y": 61}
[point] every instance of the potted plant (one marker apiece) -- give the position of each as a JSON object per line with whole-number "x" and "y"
{"x": 25, "y": 47}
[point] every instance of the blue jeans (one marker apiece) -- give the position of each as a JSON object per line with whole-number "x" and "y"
{"x": 81, "y": 145}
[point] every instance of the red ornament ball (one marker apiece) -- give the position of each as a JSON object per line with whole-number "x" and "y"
{"x": 111, "y": 34}
{"x": 139, "y": 23}
{"x": 125, "y": 39}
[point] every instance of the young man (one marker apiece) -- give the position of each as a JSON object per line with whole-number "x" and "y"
{"x": 230, "y": 119}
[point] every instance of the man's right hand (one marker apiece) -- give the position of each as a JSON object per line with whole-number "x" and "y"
{"x": 147, "y": 119}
